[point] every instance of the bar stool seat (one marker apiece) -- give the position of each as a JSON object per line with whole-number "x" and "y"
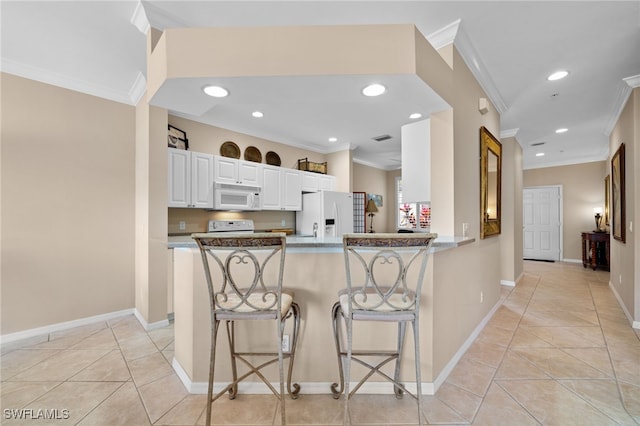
{"x": 385, "y": 274}
{"x": 244, "y": 278}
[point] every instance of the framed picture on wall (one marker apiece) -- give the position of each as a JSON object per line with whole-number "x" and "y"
{"x": 618, "y": 206}
{"x": 177, "y": 138}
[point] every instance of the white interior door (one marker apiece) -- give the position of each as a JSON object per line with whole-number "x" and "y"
{"x": 541, "y": 223}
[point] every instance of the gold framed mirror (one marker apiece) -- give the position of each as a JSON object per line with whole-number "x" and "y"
{"x": 490, "y": 184}
{"x": 607, "y": 184}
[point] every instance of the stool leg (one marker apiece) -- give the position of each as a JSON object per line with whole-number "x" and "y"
{"x": 416, "y": 342}
{"x": 231, "y": 336}
{"x": 279, "y": 333}
{"x": 402, "y": 326}
{"x": 347, "y": 369}
{"x": 212, "y": 362}
{"x": 294, "y": 342}
{"x": 336, "y": 314}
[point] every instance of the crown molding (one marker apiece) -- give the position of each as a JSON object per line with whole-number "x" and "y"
{"x": 138, "y": 88}
{"x": 45, "y": 76}
{"x": 444, "y": 36}
{"x": 581, "y": 160}
{"x": 509, "y": 133}
{"x": 139, "y": 19}
{"x": 633, "y": 81}
{"x": 473, "y": 60}
{"x": 623, "y": 91}
{"x": 160, "y": 18}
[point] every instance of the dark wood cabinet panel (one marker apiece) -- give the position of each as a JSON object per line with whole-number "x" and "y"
{"x": 595, "y": 250}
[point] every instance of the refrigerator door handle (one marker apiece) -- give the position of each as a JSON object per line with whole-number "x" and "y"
{"x": 336, "y": 213}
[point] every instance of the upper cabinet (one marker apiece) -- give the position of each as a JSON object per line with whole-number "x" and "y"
{"x": 327, "y": 183}
{"x": 192, "y": 176}
{"x": 237, "y": 172}
{"x": 314, "y": 182}
{"x": 282, "y": 189}
{"x": 190, "y": 179}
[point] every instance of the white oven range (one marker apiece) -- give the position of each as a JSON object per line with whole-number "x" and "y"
{"x": 239, "y": 226}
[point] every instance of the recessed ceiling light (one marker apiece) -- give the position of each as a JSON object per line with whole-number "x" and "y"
{"x": 540, "y": 154}
{"x": 558, "y": 75}
{"x": 216, "y": 91}
{"x": 257, "y": 114}
{"x": 562, "y": 130}
{"x": 374, "y": 90}
{"x": 333, "y": 139}
{"x": 415, "y": 115}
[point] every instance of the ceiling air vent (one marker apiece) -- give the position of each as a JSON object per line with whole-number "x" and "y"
{"x": 381, "y": 138}
{"x": 538, "y": 143}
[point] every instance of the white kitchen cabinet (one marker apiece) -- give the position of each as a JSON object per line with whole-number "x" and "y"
{"x": 237, "y": 172}
{"x": 327, "y": 183}
{"x": 314, "y": 182}
{"x": 282, "y": 189}
{"x": 310, "y": 182}
{"x": 190, "y": 179}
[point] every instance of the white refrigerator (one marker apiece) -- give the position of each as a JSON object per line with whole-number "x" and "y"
{"x": 329, "y": 212}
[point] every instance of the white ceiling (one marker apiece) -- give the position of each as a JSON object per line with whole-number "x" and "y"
{"x": 511, "y": 46}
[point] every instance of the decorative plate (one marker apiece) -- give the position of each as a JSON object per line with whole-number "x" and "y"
{"x": 251, "y": 153}
{"x": 272, "y": 158}
{"x": 230, "y": 149}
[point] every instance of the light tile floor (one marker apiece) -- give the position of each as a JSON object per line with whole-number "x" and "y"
{"x": 559, "y": 351}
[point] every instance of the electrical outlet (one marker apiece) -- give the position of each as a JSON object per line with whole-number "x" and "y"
{"x": 285, "y": 343}
{"x": 481, "y": 297}
{"x": 182, "y": 225}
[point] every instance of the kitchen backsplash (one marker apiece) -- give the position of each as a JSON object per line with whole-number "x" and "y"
{"x": 195, "y": 220}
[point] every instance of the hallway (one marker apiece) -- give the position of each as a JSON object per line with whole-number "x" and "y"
{"x": 558, "y": 351}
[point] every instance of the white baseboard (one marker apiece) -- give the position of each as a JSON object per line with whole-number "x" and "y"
{"x": 325, "y": 387}
{"x": 461, "y": 351}
{"x": 512, "y": 283}
{"x": 150, "y": 326}
{"x": 634, "y": 324}
{"x": 25, "y": 334}
{"x": 572, "y": 260}
{"x": 309, "y": 388}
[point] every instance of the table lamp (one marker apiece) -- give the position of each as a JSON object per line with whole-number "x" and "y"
{"x": 371, "y": 208}
{"x": 597, "y": 211}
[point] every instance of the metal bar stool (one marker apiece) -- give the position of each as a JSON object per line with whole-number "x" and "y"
{"x": 243, "y": 294}
{"x": 385, "y": 274}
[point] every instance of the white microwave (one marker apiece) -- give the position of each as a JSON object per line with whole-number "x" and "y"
{"x": 236, "y": 197}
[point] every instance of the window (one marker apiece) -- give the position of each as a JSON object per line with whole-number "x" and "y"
{"x": 412, "y": 215}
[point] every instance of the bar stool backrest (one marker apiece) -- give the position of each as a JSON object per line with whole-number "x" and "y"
{"x": 249, "y": 268}
{"x": 385, "y": 272}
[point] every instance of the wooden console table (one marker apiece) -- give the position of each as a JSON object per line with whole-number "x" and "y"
{"x": 595, "y": 250}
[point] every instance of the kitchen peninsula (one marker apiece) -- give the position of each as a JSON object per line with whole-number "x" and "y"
{"x": 314, "y": 269}
{"x": 463, "y": 289}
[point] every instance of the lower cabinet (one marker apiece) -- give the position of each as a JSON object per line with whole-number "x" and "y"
{"x": 282, "y": 189}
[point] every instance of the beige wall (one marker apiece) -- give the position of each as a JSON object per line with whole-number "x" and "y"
{"x": 374, "y": 181}
{"x": 625, "y": 258}
{"x": 582, "y": 190}
{"x": 511, "y": 251}
{"x": 67, "y": 205}
{"x": 472, "y": 291}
